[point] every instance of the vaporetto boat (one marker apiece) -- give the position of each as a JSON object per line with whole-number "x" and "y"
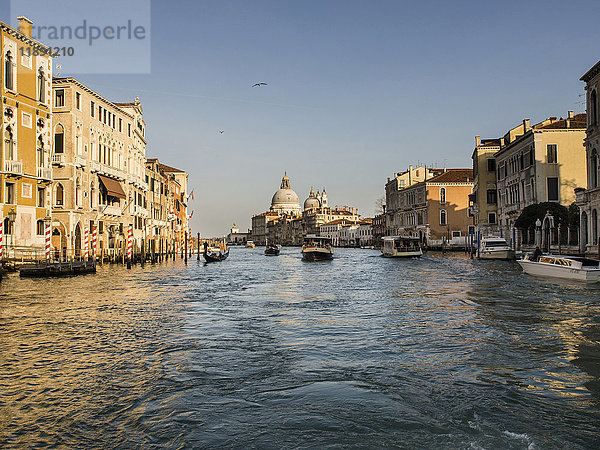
{"x": 568, "y": 267}
{"x": 401, "y": 247}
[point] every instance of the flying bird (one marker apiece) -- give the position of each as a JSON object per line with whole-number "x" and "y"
{"x": 221, "y": 131}
{"x": 259, "y": 84}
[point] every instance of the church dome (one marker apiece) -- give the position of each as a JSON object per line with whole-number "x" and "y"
{"x": 285, "y": 200}
{"x": 311, "y": 202}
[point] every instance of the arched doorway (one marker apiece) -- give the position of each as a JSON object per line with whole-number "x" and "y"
{"x": 78, "y": 240}
{"x": 584, "y": 230}
{"x": 594, "y": 227}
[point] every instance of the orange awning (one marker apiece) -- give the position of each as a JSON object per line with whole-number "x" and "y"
{"x": 113, "y": 187}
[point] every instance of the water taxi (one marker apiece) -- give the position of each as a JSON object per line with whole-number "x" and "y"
{"x": 401, "y": 247}
{"x": 317, "y": 248}
{"x": 568, "y": 267}
{"x": 272, "y": 250}
{"x": 495, "y": 248}
{"x": 250, "y": 244}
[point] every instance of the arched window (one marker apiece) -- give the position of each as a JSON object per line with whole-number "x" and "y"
{"x": 40, "y": 152}
{"x": 59, "y": 138}
{"x": 41, "y": 86}
{"x": 8, "y": 71}
{"x": 442, "y": 195}
{"x": 593, "y": 108}
{"x": 9, "y": 144}
{"x": 59, "y": 195}
{"x": 39, "y": 227}
{"x": 443, "y": 218}
{"x": 7, "y": 226}
{"x": 594, "y": 169}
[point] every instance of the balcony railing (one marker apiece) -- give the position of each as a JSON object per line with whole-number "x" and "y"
{"x": 58, "y": 158}
{"x": 140, "y": 211}
{"x": 45, "y": 173}
{"x": 13, "y": 167}
{"x": 80, "y": 161}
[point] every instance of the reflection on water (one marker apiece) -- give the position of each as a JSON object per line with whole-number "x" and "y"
{"x": 276, "y": 352}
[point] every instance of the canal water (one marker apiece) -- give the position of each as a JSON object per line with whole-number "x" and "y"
{"x": 273, "y": 352}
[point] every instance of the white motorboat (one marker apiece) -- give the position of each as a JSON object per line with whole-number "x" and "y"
{"x": 401, "y": 247}
{"x": 317, "y": 248}
{"x": 495, "y": 248}
{"x": 568, "y": 267}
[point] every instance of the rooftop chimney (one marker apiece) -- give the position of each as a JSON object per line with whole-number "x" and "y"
{"x": 525, "y": 125}
{"x": 25, "y": 25}
{"x": 570, "y": 114}
{"x": 477, "y": 141}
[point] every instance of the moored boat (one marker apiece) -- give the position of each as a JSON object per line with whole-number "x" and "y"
{"x": 557, "y": 266}
{"x": 317, "y": 248}
{"x": 401, "y": 247}
{"x": 495, "y": 248}
{"x": 250, "y": 244}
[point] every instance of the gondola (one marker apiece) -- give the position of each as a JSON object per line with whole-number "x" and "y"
{"x": 214, "y": 254}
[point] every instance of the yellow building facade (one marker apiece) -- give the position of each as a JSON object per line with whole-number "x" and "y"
{"x": 26, "y": 145}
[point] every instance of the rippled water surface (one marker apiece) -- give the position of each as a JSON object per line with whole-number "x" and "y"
{"x": 273, "y": 352}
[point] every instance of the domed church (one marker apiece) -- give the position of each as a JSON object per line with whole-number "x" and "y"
{"x": 315, "y": 201}
{"x": 285, "y": 200}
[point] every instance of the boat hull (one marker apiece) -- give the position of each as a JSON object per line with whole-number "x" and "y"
{"x": 272, "y": 252}
{"x": 557, "y": 271}
{"x": 316, "y": 255}
{"x": 504, "y": 255}
{"x": 215, "y": 257}
{"x": 396, "y": 254}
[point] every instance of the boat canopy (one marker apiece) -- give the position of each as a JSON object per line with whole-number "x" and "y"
{"x": 315, "y": 238}
{"x": 401, "y": 238}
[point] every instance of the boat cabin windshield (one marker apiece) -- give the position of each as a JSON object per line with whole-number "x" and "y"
{"x": 317, "y": 241}
{"x": 494, "y": 244}
{"x": 402, "y": 243}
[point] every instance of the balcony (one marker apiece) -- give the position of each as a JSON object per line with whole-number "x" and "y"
{"x": 581, "y": 197}
{"x": 94, "y": 166}
{"x": 80, "y": 161}
{"x": 112, "y": 211}
{"x": 138, "y": 210}
{"x": 58, "y": 158}
{"x": 45, "y": 173}
{"x": 13, "y": 167}
{"x": 111, "y": 172}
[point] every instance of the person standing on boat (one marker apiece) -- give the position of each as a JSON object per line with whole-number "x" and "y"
{"x": 536, "y": 254}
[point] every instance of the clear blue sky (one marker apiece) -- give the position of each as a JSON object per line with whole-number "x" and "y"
{"x": 356, "y": 90}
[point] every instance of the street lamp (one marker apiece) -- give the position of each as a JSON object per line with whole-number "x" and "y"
{"x": 12, "y": 215}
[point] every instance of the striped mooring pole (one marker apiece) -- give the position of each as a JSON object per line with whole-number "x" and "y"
{"x": 129, "y": 244}
{"x": 94, "y": 241}
{"x": 1, "y": 235}
{"x": 47, "y": 233}
{"x": 86, "y": 244}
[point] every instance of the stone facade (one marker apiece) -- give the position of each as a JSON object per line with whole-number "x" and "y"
{"x": 26, "y": 172}
{"x": 540, "y": 163}
{"x": 588, "y": 199}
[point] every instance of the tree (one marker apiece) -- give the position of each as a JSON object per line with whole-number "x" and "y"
{"x": 531, "y": 213}
{"x": 380, "y": 206}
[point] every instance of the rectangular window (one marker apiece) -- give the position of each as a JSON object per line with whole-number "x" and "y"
{"x": 120, "y": 124}
{"x": 551, "y": 154}
{"x": 59, "y": 99}
{"x": 10, "y": 193}
{"x": 78, "y": 100}
{"x": 92, "y": 109}
{"x": 100, "y": 226}
{"x": 492, "y": 218}
{"x": 492, "y": 197}
{"x": 128, "y": 129}
{"x": 26, "y": 190}
{"x": 41, "y": 197}
{"x": 531, "y": 156}
{"x": 26, "y": 119}
{"x": 456, "y": 234}
{"x": 99, "y": 112}
{"x": 104, "y": 116}
{"x": 491, "y": 165}
{"x": 552, "y": 189}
